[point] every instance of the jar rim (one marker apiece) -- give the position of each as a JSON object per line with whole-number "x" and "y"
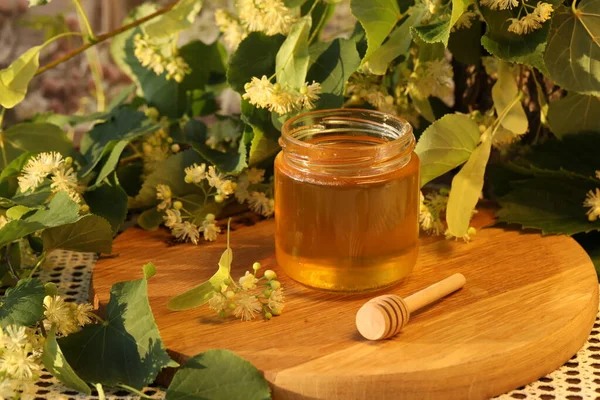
{"x": 405, "y": 133}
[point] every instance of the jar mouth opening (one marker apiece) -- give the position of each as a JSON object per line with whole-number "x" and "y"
{"x": 348, "y": 128}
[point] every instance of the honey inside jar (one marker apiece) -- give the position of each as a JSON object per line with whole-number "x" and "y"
{"x": 347, "y": 200}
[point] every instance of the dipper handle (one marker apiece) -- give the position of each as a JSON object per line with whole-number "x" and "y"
{"x": 435, "y": 292}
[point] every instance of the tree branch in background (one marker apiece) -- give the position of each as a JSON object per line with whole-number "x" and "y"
{"x": 105, "y": 36}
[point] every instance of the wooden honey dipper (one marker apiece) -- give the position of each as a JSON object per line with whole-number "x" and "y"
{"x": 384, "y": 316}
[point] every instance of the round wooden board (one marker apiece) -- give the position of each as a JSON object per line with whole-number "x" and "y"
{"x": 528, "y": 306}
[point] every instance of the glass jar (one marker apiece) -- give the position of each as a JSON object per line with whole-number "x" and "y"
{"x": 347, "y": 200}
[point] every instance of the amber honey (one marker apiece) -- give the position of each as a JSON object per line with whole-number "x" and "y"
{"x": 347, "y": 200}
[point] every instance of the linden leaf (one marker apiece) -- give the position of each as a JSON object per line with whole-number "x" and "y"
{"x": 550, "y": 204}
{"x": 573, "y": 114}
{"x": 90, "y": 234}
{"x": 504, "y": 92}
{"x": 126, "y": 349}
{"x": 254, "y": 57}
{"x": 15, "y": 79}
{"x": 573, "y": 52}
{"x": 108, "y": 201}
{"x": 291, "y": 62}
{"x": 466, "y": 189}
{"x": 439, "y": 31}
{"x": 378, "y": 18}
{"x": 398, "y": 43}
{"x": 446, "y": 144}
{"x": 34, "y": 138}
{"x": 56, "y": 363}
{"x": 60, "y": 211}
{"x": 23, "y": 304}
{"x": 218, "y": 375}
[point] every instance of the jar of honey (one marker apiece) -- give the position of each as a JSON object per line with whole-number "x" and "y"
{"x": 347, "y": 200}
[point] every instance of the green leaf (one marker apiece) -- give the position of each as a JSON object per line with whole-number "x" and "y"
{"x": 23, "y": 304}
{"x": 551, "y": 154}
{"x": 91, "y": 234}
{"x": 60, "y": 211}
{"x": 522, "y": 49}
{"x": 127, "y": 348}
{"x": 574, "y": 113}
{"x": 573, "y": 53}
{"x": 177, "y": 19}
{"x": 229, "y": 162}
{"x": 218, "y": 375}
{"x": 15, "y": 79}
{"x": 378, "y": 18}
{"x": 14, "y": 168}
{"x": 206, "y": 63}
{"x": 466, "y": 189}
{"x": 504, "y": 92}
{"x": 446, "y": 144}
{"x": 397, "y": 45}
{"x": 439, "y": 31}
{"x": 56, "y": 363}
{"x": 108, "y": 167}
{"x": 121, "y": 124}
{"x": 108, "y": 201}
{"x": 130, "y": 177}
{"x": 34, "y": 138}
{"x": 254, "y": 57}
{"x": 550, "y": 204}
{"x": 331, "y": 64}
{"x": 150, "y": 219}
{"x": 168, "y": 172}
{"x": 201, "y": 294}
{"x": 291, "y": 62}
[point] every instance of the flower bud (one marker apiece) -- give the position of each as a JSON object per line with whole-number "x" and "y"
{"x": 276, "y": 310}
{"x": 210, "y": 218}
{"x": 68, "y": 161}
{"x": 270, "y": 274}
{"x": 231, "y": 306}
{"x": 175, "y": 148}
{"x": 275, "y": 284}
{"x": 229, "y": 294}
{"x": 84, "y": 209}
{"x": 268, "y": 315}
{"x": 219, "y": 198}
{"x": 177, "y": 205}
{"x": 188, "y": 179}
{"x": 256, "y": 266}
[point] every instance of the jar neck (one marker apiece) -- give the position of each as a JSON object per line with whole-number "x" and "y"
{"x": 347, "y": 142}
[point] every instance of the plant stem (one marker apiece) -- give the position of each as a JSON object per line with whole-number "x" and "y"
{"x": 100, "y": 390}
{"x": 2, "y": 110}
{"x": 105, "y": 36}
{"x": 133, "y": 390}
{"x": 573, "y": 7}
{"x": 313, "y": 36}
{"x": 93, "y": 57}
{"x": 37, "y": 265}
{"x": 83, "y": 19}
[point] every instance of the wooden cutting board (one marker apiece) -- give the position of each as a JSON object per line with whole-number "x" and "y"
{"x": 528, "y": 306}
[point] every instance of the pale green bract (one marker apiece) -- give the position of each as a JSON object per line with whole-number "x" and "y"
{"x": 15, "y": 79}
{"x": 466, "y": 189}
{"x": 292, "y": 58}
{"x": 179, "y": 18}
{"x": 504, "y": 91}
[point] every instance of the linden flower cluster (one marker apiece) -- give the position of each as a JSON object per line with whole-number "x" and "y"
{"x": 51, "y": 165}
{"x": 524, "y": 24}
{"x": 251, "y": 296}
{"x": 157, "y": 147}
{"x": 247, "y": 190}
{"x": 592, "y": 201}
{"x": 66, "y": 317}
{"x": 432, "y": 78}
{"x": 264, "y": 94}
{"x": 21, "y": 351}
{"x": 157, "y": 58}
{"x": 269, "y": 16}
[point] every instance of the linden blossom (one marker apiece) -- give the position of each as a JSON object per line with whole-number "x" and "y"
{"x": 264, "y": 94}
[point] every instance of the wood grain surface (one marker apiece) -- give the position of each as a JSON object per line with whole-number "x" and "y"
{"x": 528, "y": 306}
